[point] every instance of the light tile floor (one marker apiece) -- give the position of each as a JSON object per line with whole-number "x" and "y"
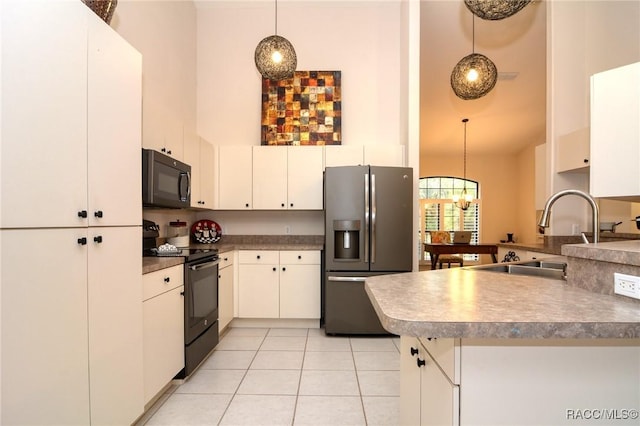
{"x": 277, "y": 376}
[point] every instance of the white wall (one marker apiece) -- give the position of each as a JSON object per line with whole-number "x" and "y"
{"x": 584, "y": 37}
{"x": 165, "y": 33}
{"x": 362, "y": 39}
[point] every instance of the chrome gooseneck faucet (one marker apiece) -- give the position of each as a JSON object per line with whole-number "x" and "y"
{"x": 546, "y": 214}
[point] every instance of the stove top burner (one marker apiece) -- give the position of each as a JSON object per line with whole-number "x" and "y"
{"x": 188, "y": 253}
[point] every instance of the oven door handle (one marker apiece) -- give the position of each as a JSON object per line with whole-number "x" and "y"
{"x": 206, "y": 265}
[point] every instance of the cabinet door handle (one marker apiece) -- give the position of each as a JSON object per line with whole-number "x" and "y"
{"x": 247, "y": 205}
{"x": 291, "y": 204}
{"x": 274, "y": 268}
{"x": 163, "y": 150}
{"x": 82, "y": 213}
{"x": 282, "y": 205}
{"x": 169, "y": 152}
{"x": 431, "y": 338}
{"x": 167, "y": 279}
{"x": 421, "y": 362}
{"x": 182, "y": 293}
{"x": 299, "y": 257}
{"x": 98, "y": 213}
{"x": 414, "y": 351}
{"x": 284, "y": 269}
{"x": 82, "y": 241}
{"x": 258, "y": 257}
{"x": 97, "y": 239}
{"x": 586, "y": 160}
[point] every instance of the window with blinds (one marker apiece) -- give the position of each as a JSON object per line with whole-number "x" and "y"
{"x": 439, "y": 213}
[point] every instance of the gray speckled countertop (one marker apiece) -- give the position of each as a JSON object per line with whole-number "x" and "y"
{"x": 470, "y": 302}
{"x": 242, "y": 242}
{"x": 624, "y": 252}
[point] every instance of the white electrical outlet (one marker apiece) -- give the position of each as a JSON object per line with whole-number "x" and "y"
{"x": 287, "y": 230}
{"x": 626, "y": 285}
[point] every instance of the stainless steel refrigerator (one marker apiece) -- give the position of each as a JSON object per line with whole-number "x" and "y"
{"x": 368, "y": 231}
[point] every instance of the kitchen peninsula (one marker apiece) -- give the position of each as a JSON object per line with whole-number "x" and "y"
{"x": 483, "y": 347}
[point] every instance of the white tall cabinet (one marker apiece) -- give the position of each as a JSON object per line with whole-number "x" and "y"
{"x": 70, "y": 236}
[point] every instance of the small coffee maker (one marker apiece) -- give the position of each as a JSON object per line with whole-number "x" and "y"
{"x": 150, "y": 233}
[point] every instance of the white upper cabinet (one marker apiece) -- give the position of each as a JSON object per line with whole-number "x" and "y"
{"x": 114, "y": 128}
{"x": 287, "y": 177}
{"x": 304, "y": 178}
{"x": 540, "y": 171}
{"x": 269, "y": 177}
{"x": 343, "y": 155}
{"x": 44, "y": 114}
{"x": 163, "y": 132}
{"x": 199, "y": 154}
{"x": 207, "y": 174}
{"x": 234, "y": 177}
{"x": 573, "y": 151}
{"x": 615, "y": 133}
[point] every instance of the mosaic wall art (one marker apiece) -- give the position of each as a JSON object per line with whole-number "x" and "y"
{"x": 303, "y": 110}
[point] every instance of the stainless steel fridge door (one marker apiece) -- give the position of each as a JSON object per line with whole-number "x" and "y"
{"x": 391, "y": 218}
{"x": 347, "y": 216}
{"x": 348, "y": 309}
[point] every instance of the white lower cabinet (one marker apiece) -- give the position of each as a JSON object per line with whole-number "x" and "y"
{"x": 427, "y": 395}
{"x": 258, "y": 284}
{"x": 225, "y": 290}
{"x": 115, "y": 328}
{"x": 71, "y": 326}
{"x": 300, "y": 284}
{"x": 494, "y": 381}
{"x": 279, "y": 284}
{"x": 163, "y": 328}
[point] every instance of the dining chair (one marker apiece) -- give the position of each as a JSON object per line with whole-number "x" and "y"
{"x": 444, "y": 237}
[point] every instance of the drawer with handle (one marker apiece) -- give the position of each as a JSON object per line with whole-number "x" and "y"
{"x": 163, "y": 280}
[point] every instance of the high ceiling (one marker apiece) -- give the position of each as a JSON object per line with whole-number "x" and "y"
{"x": 509, "y": 117}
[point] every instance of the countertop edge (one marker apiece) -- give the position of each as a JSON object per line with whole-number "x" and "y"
{"x": 505, "y": 330}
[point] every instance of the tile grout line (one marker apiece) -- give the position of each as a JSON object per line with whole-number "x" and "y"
{"x": 304, "y": 355}
{"x": 243, "y": 377}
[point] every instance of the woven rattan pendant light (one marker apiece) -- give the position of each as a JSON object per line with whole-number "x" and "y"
{"x": 275, "y": 56}
{"x": 495, "y": 10}
{"x": 474, "y": 75}
{"x": 463, "y": 201}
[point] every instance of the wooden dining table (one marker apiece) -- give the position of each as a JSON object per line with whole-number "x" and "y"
{"x": 436, "y": 249}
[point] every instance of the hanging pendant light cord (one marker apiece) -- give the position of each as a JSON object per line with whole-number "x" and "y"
{"x": 276, "y": 33}
{"x": 464, "y": 156}
{"x": 473, "y": 37}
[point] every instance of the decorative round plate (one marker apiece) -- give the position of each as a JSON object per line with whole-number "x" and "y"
{"x": 206, "y": 231}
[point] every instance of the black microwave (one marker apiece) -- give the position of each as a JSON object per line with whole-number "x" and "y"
{"x": 166, "y": 182}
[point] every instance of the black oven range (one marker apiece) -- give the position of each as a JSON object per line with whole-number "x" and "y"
{"x": 200, "y": 305}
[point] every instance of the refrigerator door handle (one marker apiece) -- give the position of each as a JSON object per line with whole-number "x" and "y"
{"x": 366, "y": 217}
{"x": 346, "y": 279}
{"x": 373, "y": 218}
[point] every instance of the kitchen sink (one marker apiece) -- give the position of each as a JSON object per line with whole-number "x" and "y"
{"x": 536, "y": 268}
